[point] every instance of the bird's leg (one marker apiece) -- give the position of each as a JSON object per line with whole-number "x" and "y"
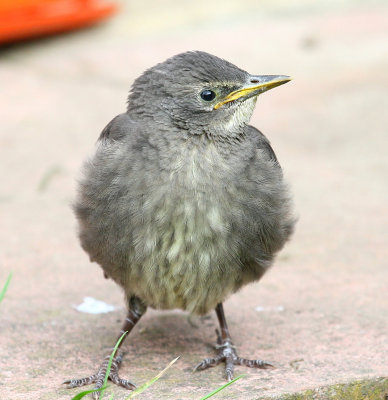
{"x": 136, "y": 310}
{"x": 226, "y": 351}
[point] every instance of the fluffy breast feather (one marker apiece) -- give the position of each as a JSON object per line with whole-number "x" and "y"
{"x": 188, "y": 239}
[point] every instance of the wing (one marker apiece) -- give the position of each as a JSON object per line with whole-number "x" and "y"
{"x": 262, "y": 143}
{"x": 118, "y": 128}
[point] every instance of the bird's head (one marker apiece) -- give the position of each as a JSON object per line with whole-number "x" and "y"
{"x": 199, "y": 92}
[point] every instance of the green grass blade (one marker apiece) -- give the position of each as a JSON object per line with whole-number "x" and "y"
{"x": 3, "y": 291}
{"x": 104, "y": 386}
{"x": 86, "y": 392}
{"x": 110, "y": 362}
{"x": 151, "y": 381}
{"x": 221, "y": 388}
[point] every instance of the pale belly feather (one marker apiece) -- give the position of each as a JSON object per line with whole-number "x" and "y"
{"x": 189, "y": 263}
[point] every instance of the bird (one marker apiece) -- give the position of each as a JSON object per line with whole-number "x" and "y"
{"x": 183, "y": 202}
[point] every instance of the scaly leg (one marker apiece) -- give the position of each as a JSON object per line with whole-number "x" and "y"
{"x": 136, "y": 310}
{"x": 226, "y": 351}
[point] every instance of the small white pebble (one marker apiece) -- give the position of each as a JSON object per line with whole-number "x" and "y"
{"x": 270, "y": 309}
{"x": 93, "y": 306}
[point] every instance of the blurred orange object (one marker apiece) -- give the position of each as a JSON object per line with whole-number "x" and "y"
{"x": 22, "y": 19}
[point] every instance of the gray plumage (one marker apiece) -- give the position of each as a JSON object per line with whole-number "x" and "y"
{"x": 183, "y": 203}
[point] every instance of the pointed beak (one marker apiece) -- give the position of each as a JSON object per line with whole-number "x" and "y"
{"x": 256, "y": 85}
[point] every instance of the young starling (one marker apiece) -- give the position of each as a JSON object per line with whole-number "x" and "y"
{"x": 183, "y": 202}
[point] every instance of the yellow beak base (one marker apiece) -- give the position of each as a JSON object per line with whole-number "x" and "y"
{"x": 259, "y": 84}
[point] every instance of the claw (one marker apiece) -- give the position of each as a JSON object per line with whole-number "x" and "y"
{"x": 99, "y": 378}
{"x": 227, "y": 354}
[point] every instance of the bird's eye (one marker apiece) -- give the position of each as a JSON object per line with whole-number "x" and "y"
{"x": 208, "y": 95}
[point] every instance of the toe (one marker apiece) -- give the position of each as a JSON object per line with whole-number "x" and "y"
{"x": 72, "y": 383}
{"x": 99, "y": 378}
{"x": 115, "y": 378}
{"x": 253, "y": 363}
{"x": 96, "y": 395}
{"x": 206, "y": 363}
{"x": 229, "y": 367}
{"x": 126, "y": 384}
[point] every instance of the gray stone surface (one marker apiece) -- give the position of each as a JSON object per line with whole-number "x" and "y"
{"x": 329, "y": 129}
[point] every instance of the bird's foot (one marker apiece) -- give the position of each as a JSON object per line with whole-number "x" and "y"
{"x": 226, "y": 352}
{"x": 99, "y": 377}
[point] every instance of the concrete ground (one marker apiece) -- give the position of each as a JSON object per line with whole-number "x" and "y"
{"x": 320, "y": 315}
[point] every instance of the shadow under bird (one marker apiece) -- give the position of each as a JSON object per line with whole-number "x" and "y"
{"x": 183, "y": 202}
